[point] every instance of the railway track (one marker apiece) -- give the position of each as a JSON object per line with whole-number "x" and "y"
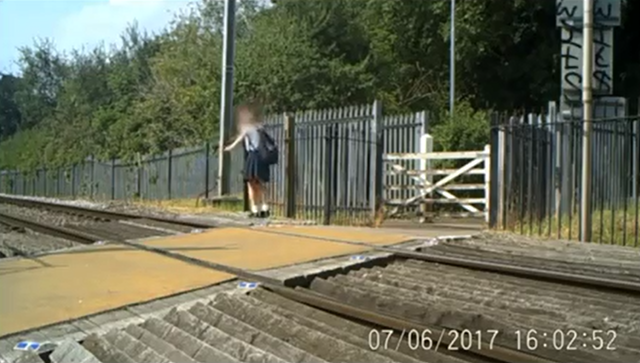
{"x": 624, "y": 278}
{"x": 443, "y": 303}
{"x": 56, "y": 231}
{"x": 396, "y": 310}
{"x": 97, "y": 213}
{"x": 96, "y": 225}
{"x": 619, "y": 277}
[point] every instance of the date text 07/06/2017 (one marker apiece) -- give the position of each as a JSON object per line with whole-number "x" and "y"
{"x": 425, "y": 339}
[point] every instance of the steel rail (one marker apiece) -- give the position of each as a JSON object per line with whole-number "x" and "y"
{"x": 96, "y": 213}
{"x": 528, "y": 272}
{"x": 62, "y": 232}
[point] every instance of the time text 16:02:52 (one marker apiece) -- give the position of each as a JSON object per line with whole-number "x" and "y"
{"x": 566, "y": 339}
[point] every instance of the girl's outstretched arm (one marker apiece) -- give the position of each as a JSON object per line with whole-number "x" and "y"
{"x": 235, "y": 142}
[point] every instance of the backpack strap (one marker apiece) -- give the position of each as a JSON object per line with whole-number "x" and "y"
{"x": 255, "y": 147}
{"x": 266, "y": 135}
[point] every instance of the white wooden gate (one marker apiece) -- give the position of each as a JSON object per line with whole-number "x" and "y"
{"x": 426, "y": 187}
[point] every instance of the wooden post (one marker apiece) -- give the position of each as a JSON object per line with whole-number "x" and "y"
{"x": 73, "y": 181}
{"x": 421, "y": 164}
{"x": 58, "y": 181}
{"x": 113, "y": 178}
{"x": 290, "y": 165}
{"x": 169, "y": 174}
{"x": 426, "y": 146}
{"x": 329, "y": 168}
{"x": 93, "y": 177}
{"x": 44, "y": 172}
{"x": 487, "y": 184}
{"x": 207, "y": 151}
{"x": 556, "y": 145}
{"x": 493, "y": 163}
{"x": 502, "y": 179}
{"x": 376, "y": 169}
{"x": 139, "y": 177}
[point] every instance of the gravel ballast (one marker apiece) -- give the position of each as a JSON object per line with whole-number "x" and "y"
{"x": 222, "y": 218}
{"x": 27, "y": 243}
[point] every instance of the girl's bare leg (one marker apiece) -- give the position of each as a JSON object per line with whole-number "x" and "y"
{"x": 257, "y": 196}
{"x": 263, "y": 191}
{"x": 257, "y": 187}
{"x": 251, "y": 188}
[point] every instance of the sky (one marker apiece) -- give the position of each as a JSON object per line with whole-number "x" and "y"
{"x": 74, "y": 24}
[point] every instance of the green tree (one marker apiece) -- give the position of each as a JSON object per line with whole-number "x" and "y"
{"x": 43, "y": 72}
{"x": 160, "y": 91}
{"x": 10, "y": 117}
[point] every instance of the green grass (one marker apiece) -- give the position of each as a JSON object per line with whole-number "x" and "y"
{"x": 622, "y": 231}
{"x": 195, "y": 206}
{"x": 339, "y": 218}
{"x": 190, "y": 205}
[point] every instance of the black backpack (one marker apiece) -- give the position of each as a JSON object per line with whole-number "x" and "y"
{"x": 267, "y": 149}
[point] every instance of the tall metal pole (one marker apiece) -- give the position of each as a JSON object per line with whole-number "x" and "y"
{"x": 587, "y": 100}
{"x": 226, "y": 97}
{"x": 452, "y": 60}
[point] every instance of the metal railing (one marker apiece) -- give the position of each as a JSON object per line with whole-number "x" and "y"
{"x": 536, "y": 167}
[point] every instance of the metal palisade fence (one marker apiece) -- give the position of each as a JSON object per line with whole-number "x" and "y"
{"x": 332, "y": 161}
{"x": 537, "y": 166}
{"x": 179, "y": 173}
{"x": 330, "y": 167}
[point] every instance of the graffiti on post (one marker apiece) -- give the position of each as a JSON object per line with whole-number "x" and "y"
{"x": 605, "y": 12}
{"x": 603, "y": 61}
{"x": 569, "y": 18}
{"x": 571, "y": 40}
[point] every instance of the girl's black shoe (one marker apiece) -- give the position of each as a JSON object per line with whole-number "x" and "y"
{"x": 254, "y": 215}
{"x": 264, "y": 214}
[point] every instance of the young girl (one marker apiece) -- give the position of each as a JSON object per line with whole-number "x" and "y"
{"x": 256, "y": 171}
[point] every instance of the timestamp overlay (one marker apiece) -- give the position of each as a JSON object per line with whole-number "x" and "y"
{"x": 571, "y": 344}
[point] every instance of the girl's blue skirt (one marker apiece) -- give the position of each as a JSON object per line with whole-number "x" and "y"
{"x": 255, "y": 168}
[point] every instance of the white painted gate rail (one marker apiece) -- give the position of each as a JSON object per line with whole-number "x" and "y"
{"x": 423, "y": 179}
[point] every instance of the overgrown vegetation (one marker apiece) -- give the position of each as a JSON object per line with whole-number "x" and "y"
{"x": 160, "y": 91}
{"x": 616, "y": 227}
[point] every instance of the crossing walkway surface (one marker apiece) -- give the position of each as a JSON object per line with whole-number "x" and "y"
{"x": 59, "y": 287}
